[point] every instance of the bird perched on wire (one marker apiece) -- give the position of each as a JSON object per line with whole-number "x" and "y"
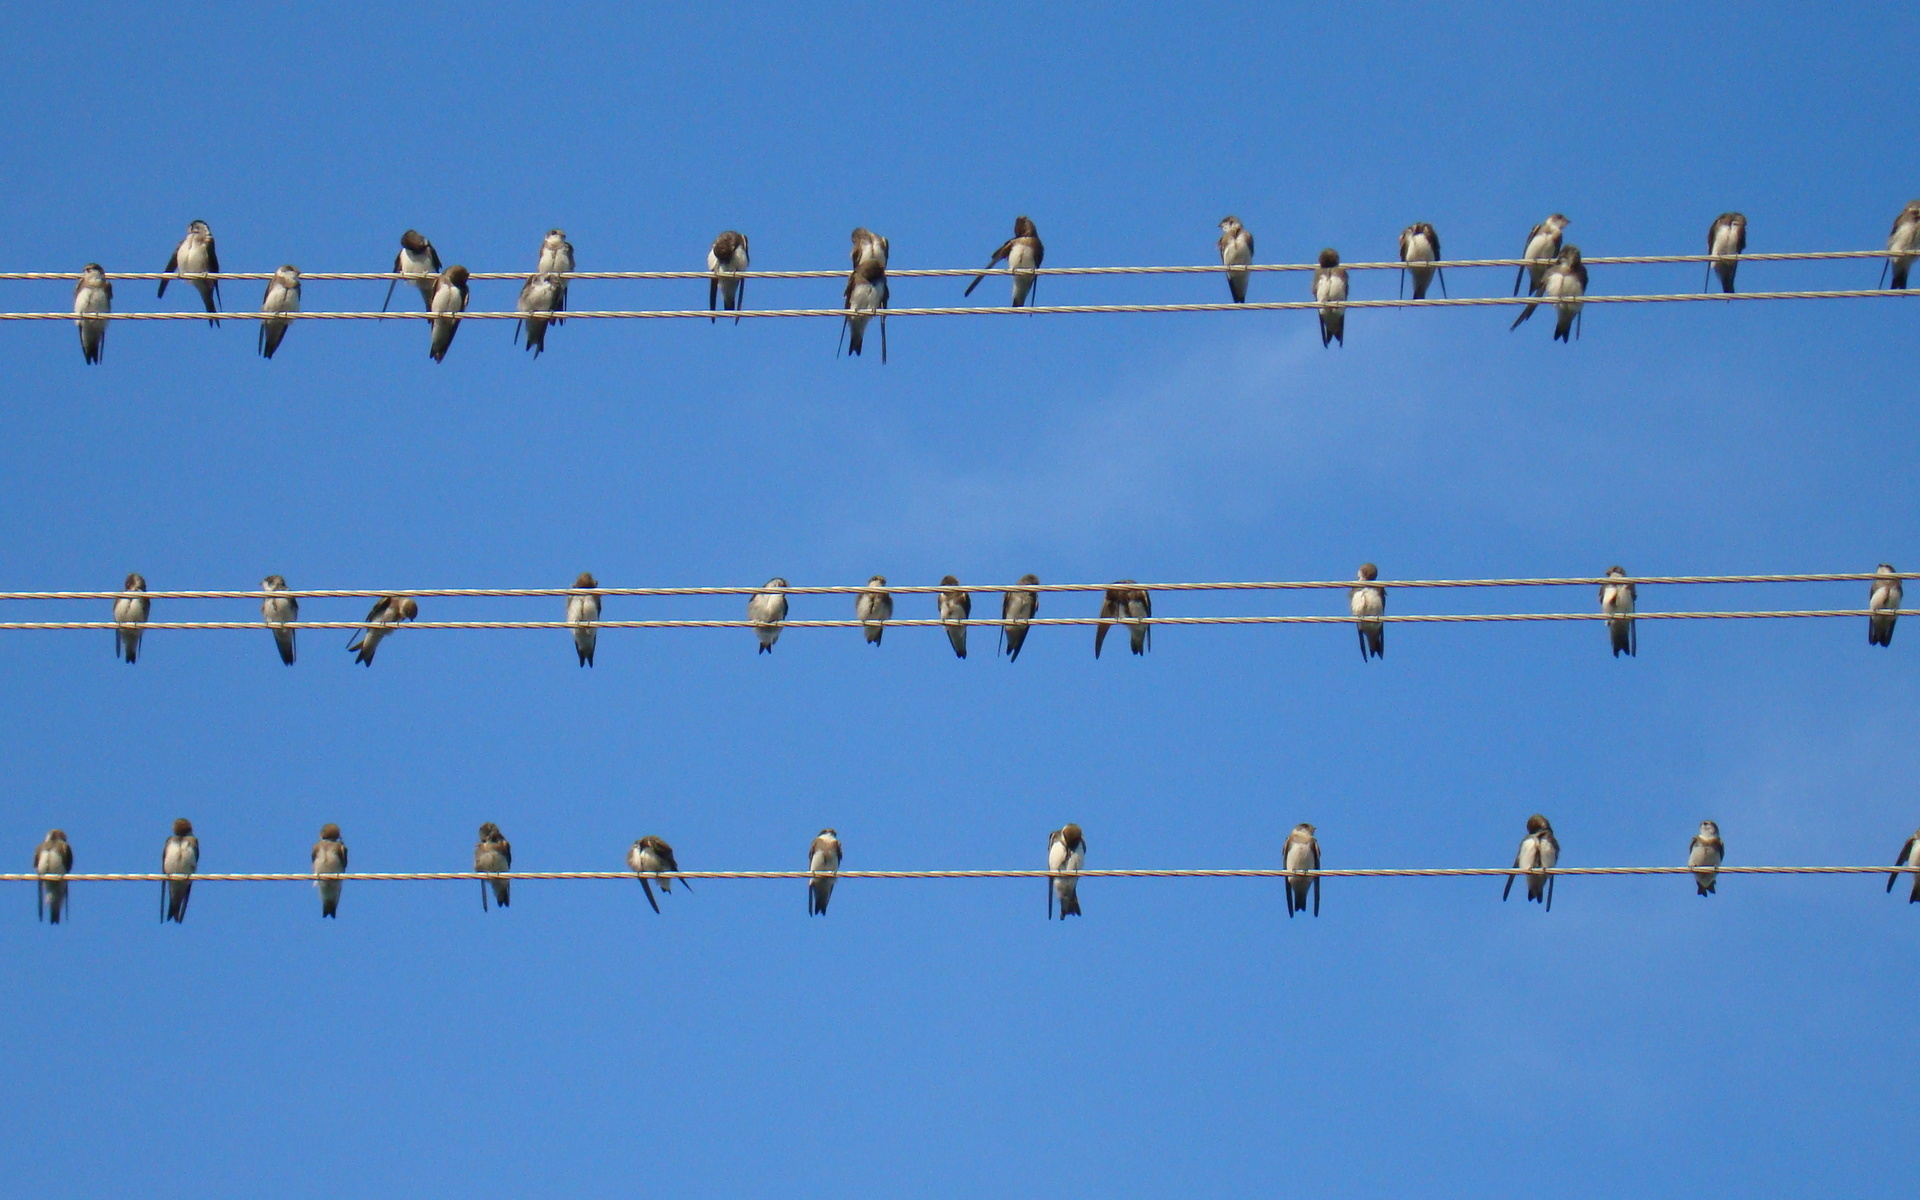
{"x": 329, "y": 858}
{"x": 195, "y": 256}
{"x": 1368, "y": 604}
{"x": 1539, "y": 851}
{"x": 283, "y": 296}
{"x": 583, "y": 608}
{"x": 129, "y": 614}
{"x": 866, "y": 294}
{"x": 766, "y": 610}
{"x": 1420, "y": 244}
{"x": 955, "y": 608}
{"x": 494, "y": 854}
{"x": 1726, "y": 236}
{"x": 1236, "y": 254}
{"x": 1019, "y": 606}
{"x": 449, "y": 301}
{"x": 556, "y": 259}
{"x": 823, "y": 860}
{"x": 1022, "y": 253}
{"x": 1564, "y": 283}
{"x": 727, "y": 259}
{"x": 92, "y": 294}
{"x": 539, "y": 296}
{"x": 280, "y": 611}
{"x": 381, "y": 618}
{"x": 419, "y": 262}
{"x": 1066, "y": 852}
{"x": 647, "y": 858}
{"x": 52, "y": 859}
{"x": 1330, "y": 289}
{"x": 179, "y": 856}
{"x": 874, "y": 608}
{"x": 1909, "y": 857}
{"x": 1616, "y": 600}
{"x": 1903, "y": 241}
{"x": 1302, "y": 857}
{"x": 1884, "y": 603}
{"x": 1130, "y": 604}
{"x": 1706, "y": 850}
{"x": 1543, "y": 246}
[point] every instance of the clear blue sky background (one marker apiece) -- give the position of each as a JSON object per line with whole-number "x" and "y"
{"x": 941, "y": 1038}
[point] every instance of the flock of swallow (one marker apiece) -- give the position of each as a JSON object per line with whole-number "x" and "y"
{"x": 1555, "y": 273}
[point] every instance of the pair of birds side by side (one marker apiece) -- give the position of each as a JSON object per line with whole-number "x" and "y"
{"x": 1539, "y": 853}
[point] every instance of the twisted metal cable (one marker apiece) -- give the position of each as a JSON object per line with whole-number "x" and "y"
{"x": 1119, "y": 873}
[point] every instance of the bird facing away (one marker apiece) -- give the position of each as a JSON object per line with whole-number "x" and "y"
{"x": 130, "y": 613}
{"x": 195, "y": 256}
{"x": 539, "y": 296}
{"x": 583, "y": 608}
{"x": 1302, "y": 856}
{"x": 1066, "y": 851}
{"x": 1330, "y": 289}
{"x": 766, "y": 610}
{"x": 1236, "y": 254}
{"x": 647, "y": 858}
{"x": 1904, "y": 241}
{"x": 1368, "y": 605}
{"x": 1539, "y": 851}
{"x": 726, "y": 260}
{"x": 823, "y": 859}
{"x": 1909, "y": 857}
{"x": 1706, "y": 850}
{"x": 1420, "y": 243}
{"x": 1884, "y": 598}
{"x": 1616, "y": 600}
{"x": 955, "y": 608}
{"x": 279, "y": 612}
{"x": 381, "y": 618}
{"x": 283, "y": 296}
{"x": 866, "y": 294}
{"x": 1018, "y": 606}
{"x": 51, "y": 859}
{"x": 1022, "y": 253}
{"x": 420, "y": 263}
{"x": 868, "y": 247}
{"x": 329, "y": 858}
{"x": 1130, "y": 604}
{"x": 1543, "y": 246}
{"x": 180, "y": 856}
{"x": 92, "y": 294}
{"x": 874, "y": 608}
{"x": 448, "y": 302}
{"x": 1726, "y": 236}
{"x": 1565, "y": 282}
{"x": 494, "y": 853}
{"x": 556, "y": 258}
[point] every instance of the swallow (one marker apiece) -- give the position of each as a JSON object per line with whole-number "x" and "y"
{"x": 1420, "y": 243}
{"x": 1706, "y": 850}
{"x": 329, "y": 858}
{"x": 1236, "y": 252}
{"x": 493, "y": 853}
{"x": 1616, "y": 600}
{"x": 1330, "y": 289}
{"x": 1909, "y": 857}
{"x": 1566, "y": 283}
{"x": 1539, "y": 851}
{"x": 955, "y": 607}
{"x": 648, "y": 857}
{"x": 130, "y": 613}
{"x": 449, "y": 297}
{"x": 419, "y": 262}
{"x": 582, "y": 610}
{"x": 1302, "y": 856}
{"x": 279, "y": 611}
{"x": 283, "y": 296}
{"x": 556, "y": 258}
{"x": 766, "y": 610}
{"x": 52, "y": 859}
{"x": 1726, "y": 236}
{"x": 1066, "y": 851}
{"x": 868, "y": 247}
{"x": 539, "y": 296}
{"x": 1022, "y": 253}
{"x": 195, "y": 256}
{"x": 93, "y": 294}
{"x": 823, "y": 859}
{"x": 874, "y": 608}
{"x": 1904, "y": 241}
{"x": 866, "y": 295}
{"x": 1885, "y": 596}
{"x": 727, "y": 259}
{"x": 1543, "y": 246}
{"x": 1130, "y": 604}
{"x": 1368, "y": 605}
{"x": 180, "y": 856}
{"x": 381, "y": 618}
{"x": 1018, "y": 606}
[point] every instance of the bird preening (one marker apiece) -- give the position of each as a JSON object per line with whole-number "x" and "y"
{"x": 1420, "y": 244}
{"x": 1368, "y": 603}
{"x": 1066, "y": 855}
{"x": 1131, "y": 604}
{"x": 583, "y": 609}
{"x": 129, "y": 614}
{"x": 329, "y": 858}
{"x": 823, "y": 861}
{"x": 381, "y": 619}
{"x": 727, "y": 259}
{"x": 1022, "y": 253}
{"x": 651, "y": 858}
{"x": 1330, "y": 289}
{"x": 1538, "y": 854}
{"x": 180, "y": 857}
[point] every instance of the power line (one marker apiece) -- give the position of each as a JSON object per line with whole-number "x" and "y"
{"x": 1119, "y": 873}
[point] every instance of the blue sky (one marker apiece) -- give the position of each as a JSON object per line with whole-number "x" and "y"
{"x": 942, "y": 1038}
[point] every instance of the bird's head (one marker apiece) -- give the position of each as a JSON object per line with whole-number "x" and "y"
{"x": 489, "y": 831}
{"x": 1029, "y": 578}
{"x": 456, "y": 275}
{"x": 201, "y": 228}
{"x": 1616, "y": 571}
{"x": 56, "y": 835}
{"x": 329, "y": 832}
{"x": 1229, "y": 223}
{"x": 1024, "y": 227}
{"x": 274, "y": 583}
{"x": 413, "y": 240}
{"x": 1709, "y": 829}
{"x": 586, "y": 580}
{"x": 877, "y": 581}
{"x": 407, "y": 609}
{"x": 1538, "y": 824}
{"x": 182, "y": 827}
{"x": 1369, "y": 572}
{"x": 1071, "y": 835}
{"x": 1329, "y": 258}
{"x": 776, "y": 582}
{"x": 136, "y": 582}
{"x": 949, "y": 581}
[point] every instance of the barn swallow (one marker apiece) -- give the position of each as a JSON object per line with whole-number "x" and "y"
{"x": 449, "y": 297}
{"x": 1909, "y": 857}
{"x": 866, "y": 295}
{"x": 93, "y": 294}
{"x": 180, "y": 856}
{"x": 1130, "y": 604}
{"x": 1884, "y": 596}
{"x": 539, "y": 296}
{"x": 955, "y": 608}
{"x": 1368, "y": 604}
{"x": 195, "y": 256}
{"x": 1727, "y": 235}
{"x": 1236, "y": 251}
{"x": 381, "y": 618}
{"x": 494, "y": 853}
{"x": 420, "y": 263}
{"x": 283, "y": 296}
{"x": 51, "y": 859}
{"x": 1022, "y": 252}
{"x": 1616, "y": 600}
{"x": 582, "y": 611}
{"x": 1018, "y": 606}
{"x": 556, "y": 258}
{"x": 1539, "y": 851}
{"x": 278, "y": 611}
{"x": 1904, "y": 241}
{"x": 823, "y": 859}
{"x": 329, "y": 858}
{"x": 1066, "y": 851}
{"x": 1543, "y": 246}
{"x": 874, "y": 607}
{"x": 1301, "y": 855}
{"x": 1330, "y": 289}
{"x": 647, "y": 858}
{"x": 868, "y": 247}
{"x": 726, "y": 260}
{"x": 130, "y": 613}
{"x": 766, "y": 610}
{"x": 1706, "y": 850}
{"x": 1420, "y": 243}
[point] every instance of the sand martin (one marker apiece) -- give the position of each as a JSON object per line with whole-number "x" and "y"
{"x": 494, "y": 853}
{"x": 283, "y": 296}
{"x": 51, "y": 859}
{"x": 1539, "y": 851}
{"x": 279, "y": 611}
{"x": 1301, "y": 855}
{"x": 1368, "y": 604}
{"x": 1236, "y": 252}
{"x": 823, "y": 859}
{"x": 1616, "y": 600}
{"x": 874, "y": 607}
{"x": 180, "y": 856}
{"x": 1066, "y": 851}
{"x": 726, "y": 260}
{"x": 1885, "y": 597}
{"x": 539, "y": 296}
{"x": 381, "y": 618}
{"x": 556, "y": 258}
{"x": 766, "y": 610}
{"x": 449, "y": 300}
{"x": 195, "y": 256}
{"x": 1420, "y": 243}
{"x": 1543, "y": 246}
{"x": 1909, "y": 857}
{"x": 1726, "y": 236}
{"x": 420, "y": 263}
{"x": 1706, "y": 850}
{"x": 582, "y": 610}
{"x": 866, "y": 295}
{"x": 955, "y": 608}
{"x": 329, "y": 858}
{"x": 647, "y": 858}
{"x": 1330, "y": 289}
{"x": 868, "y": 247}
{"x": 1130, "y": 604}
{"x": 1018, "y": 606}
{"x": 130, "y": 613}
{"x": 92, "y": 294}
{"x": 1905, "y": 242}
{"x": 1022, "y": 252}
